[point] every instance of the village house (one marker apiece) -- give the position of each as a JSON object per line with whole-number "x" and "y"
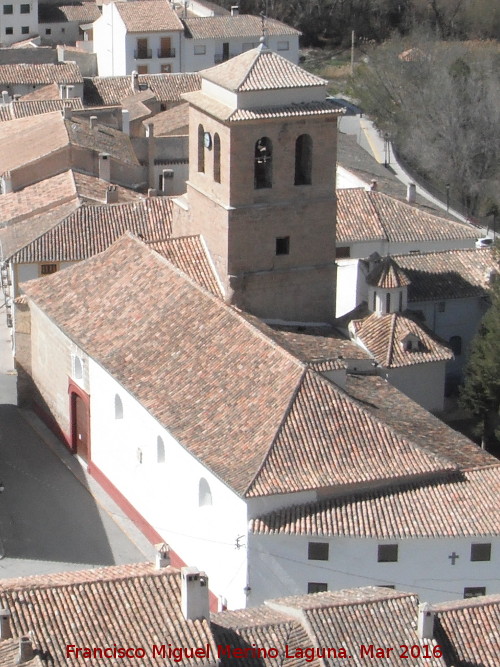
{"x": 63, "y": 619}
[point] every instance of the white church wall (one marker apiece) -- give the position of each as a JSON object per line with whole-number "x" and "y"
{"x": 423, "y": 383}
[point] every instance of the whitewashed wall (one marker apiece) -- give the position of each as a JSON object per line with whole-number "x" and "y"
{"x": 166, "y": 494}
{"x": 423, "y": 383}
{"x": 279, "y": 566}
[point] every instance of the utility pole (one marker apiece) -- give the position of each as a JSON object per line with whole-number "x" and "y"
{"x": 352, "y": 52}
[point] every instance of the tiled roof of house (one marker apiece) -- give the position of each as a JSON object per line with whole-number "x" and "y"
{"x": 91, "y": 229}
{"x": 155, "y": 16}
{"x": 9, "y": 654}
{"x": 24, "y": 140}
{"x": 367, "y": 216}
{"x": 24, "y": 109}
{"x": 456, "y": 506}
{"x": 101, "y": 138}
{"x": 49, "y": 92}
{"x": 174, "y": 121}
{"x": 125, "y": 606}
{"x": 168, "y": 88}
{"x": 384, "y": 336}
{"x": 388, "y": 275}
{"x": 94, "y": 189}
{"x": 190, "y": 255}
{"x": 258, "y": 403}
{"x": 348, "y": 618}
{"x": 452, "y": 274}
{"x": 81, "y": 12}
{"x": 260, "y": 69}
{"x": 408, "y": 419}
{"x": 35, "y": 74}
{"x": 243, "y": 25}
{"x": 470, "y": 630}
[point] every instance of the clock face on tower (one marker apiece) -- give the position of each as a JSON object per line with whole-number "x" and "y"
{"x": 207, "y": 140}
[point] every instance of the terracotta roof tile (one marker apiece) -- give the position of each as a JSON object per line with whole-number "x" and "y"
{"x": 153, "y": 16}
{"x": 80, "y": 12}
{"x": 94, "y": 189}
{"x": 327, "y": 439}
{"x": 91, "y": 229}
{"x": 455, "y": 506}
{"x": 38, "y": 74}
{"x": 130, "y": 607}
{"x": 101, "y": 138}
{"x": 387, "y": 274}
{"x": 174, "y": 121}
{"x": 470, "y": 630}
{"x": 410, "y": 420}
{"x": 452, "y": 274}
{"x": 190, "y": 255}
{"x": 22, "y": 109}
{"x": 260, "y": 69}
{"x": 384, "y": 337}
{"x": 167, "y": 88}
{"x": 367, "y": 216}
{"x": 243, "y": 25}
{"x": 49, "y": 92}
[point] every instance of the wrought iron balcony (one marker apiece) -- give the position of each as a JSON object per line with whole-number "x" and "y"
{"x": 166, "y": 53}
{"x": 143, "y": 54}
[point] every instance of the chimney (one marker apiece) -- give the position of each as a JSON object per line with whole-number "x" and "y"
{"x": 93, "y": 122}
{"x": 104, "y": 167}
{"x": 152, "y": 192}
{"x": 425, "y": 624}
{"x": 66, "y": 112}
{"x": 411, "y": 193}
{"x": 134, "y": 81}
{"x": 5, "y": 97}
{"x": 194, "y": 594}
{"x": 6, "y": 182}
{"x": 69, "y": 92}
{"x": 235, "y": 10}
{"x": 111, "y": 194}
{"x": 151, "y": 154}
{"x": 16, "y": 97}
{"x": 167, "y": 176}
{"x": 126, "y": 121}
{"x": 373, "y": 185}
{"x": 25, "y": 651}
{"x": 62, "y": 91}
{"x": 5, "y": 629}
{"x": 162, "y": 558}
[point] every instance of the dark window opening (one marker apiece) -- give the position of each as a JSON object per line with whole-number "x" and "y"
{"x": 474, "y": 591}
{"x": 456, "y": 345}
{"x": 400, "y": 301}
{"x": 216, "y": 158}
{"x": 263, "y": 171}
{"x": 9, "y": 31}
{"x": 283, "y": 245}
{"x": 47, "y": 269}
{"x": 387, "y": 553}
{"x": 342, "y": 252}
{"x": 25, "y": 30}
{"x": 25, "y": 9}
{"x": 388, "y": 302}
{"x": 201, "y": 148}
{"x": 48, "y": 31}
{"x": 480, "y": 551}
{"x": 303, "y": 160}
{"x": 318, "y": 551}
{"x": 8, "y": 9}
{"x": 316, "y": 587}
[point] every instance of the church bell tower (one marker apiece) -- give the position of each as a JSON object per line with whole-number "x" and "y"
{"x": 261, "y": 188}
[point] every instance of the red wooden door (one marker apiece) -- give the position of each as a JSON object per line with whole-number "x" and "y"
{"x": 80, "y": 427}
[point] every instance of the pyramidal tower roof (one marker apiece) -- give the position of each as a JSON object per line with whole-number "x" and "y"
{"x": 260, "y": 69}
{"x": 388, "y": 275}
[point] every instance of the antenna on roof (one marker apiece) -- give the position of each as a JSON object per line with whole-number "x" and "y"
{"x": 263, "y": 37}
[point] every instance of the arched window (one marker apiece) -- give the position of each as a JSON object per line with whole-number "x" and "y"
{"x": 160, "y": 450}
{"x": 388, "y": 302}
{"x": 78, "y": 368}
{"x": 400, "y": 301}
{"x": 201, "y": 148}
{"x": 303, "y": 160}
{"x": 216, "y": 158}
{"x": 456, "y": 345}
{"x": 263, "y": 170}
{"x": 118, "y": 407}
{"x": 204, "y": 493}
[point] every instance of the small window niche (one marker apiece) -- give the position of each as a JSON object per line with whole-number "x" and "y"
{"x": 160, "y": 450}
{"x": 118, "y": 407}
{"x": 480, "y": 552}
{"x": 283, "y": 245}
{"x": 316, "y": 587}
{"x": 204, "y": 493}
{"x": 387, "y": 553}
{"x": 263, "y": 168}
{"x": 77, "y": 368}
{"x": 303, "y": 160}
{"x": 318, "y": 551}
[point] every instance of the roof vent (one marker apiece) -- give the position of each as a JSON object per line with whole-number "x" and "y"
{"x": 425, "y": 624}
{"x": 92, "y": 122}
{"x": 5, "y": 97}
{"x": 162, "y": 558}
{"x": 411, "y": 193}
{"x": 194, "y": 592}
{"x": 5, "y": 629}
{"x": 373, "y": 185}
{"x": 235, "y": 10}
{"x": 25, "y": 651}
{"x": 111, "y": 194}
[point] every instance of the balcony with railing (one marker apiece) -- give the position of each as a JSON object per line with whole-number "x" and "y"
{"x": 166, "y": 53}
{"x": 143, "y": 54}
